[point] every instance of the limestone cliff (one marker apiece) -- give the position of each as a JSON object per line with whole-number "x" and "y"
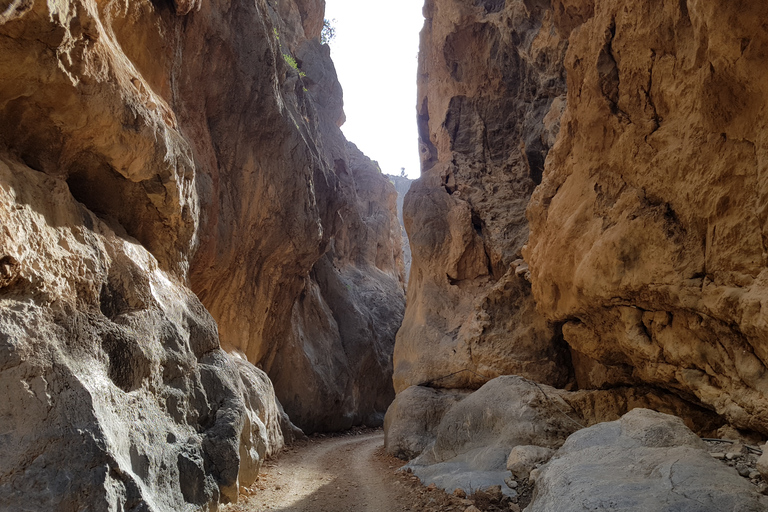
{"x": 627, "y": 137}
{"x": 648, "y": 230}
{"x": 335, "y": 368}
{"x": 164, "y": 168}
{"x": 402, "y": 186}
{"x": 491, "y": 84}
{"x": 116, "y": 393}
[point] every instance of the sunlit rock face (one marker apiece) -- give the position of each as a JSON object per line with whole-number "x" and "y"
{"x": 491, "y": 87}
{"x": 648, "y": 230}
{"x": 627, "y": 137}
{"x": 116, "y": 395}
{"x": 164, "y": 168}
{"x": 402, "y": 186}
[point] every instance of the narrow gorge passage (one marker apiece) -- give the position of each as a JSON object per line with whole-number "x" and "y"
{"x": 336, "y": 474}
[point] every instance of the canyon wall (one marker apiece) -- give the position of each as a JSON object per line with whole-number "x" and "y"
{"x": 591, "y": 211}
{"x": 591, "y": 216}
{"x": 648, "y": 230}
{"x": 335, "y": 368}
{"x": 491, "y": 87}
{"x": 402, "y": 186}
{"x": 174, "y": 182}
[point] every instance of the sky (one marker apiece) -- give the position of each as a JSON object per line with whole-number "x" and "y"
{"x": 375, "y": 52}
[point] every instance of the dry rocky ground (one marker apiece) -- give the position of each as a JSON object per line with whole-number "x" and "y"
{"x": 351, "y": 472}
{"x": 742, "y": 457}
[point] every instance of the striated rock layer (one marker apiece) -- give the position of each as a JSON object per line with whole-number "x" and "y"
{"x": 164, "y": 168}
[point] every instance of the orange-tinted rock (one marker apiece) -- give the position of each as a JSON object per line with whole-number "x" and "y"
{"x": 489, "y": 74}
{"x": 648, "y": 230}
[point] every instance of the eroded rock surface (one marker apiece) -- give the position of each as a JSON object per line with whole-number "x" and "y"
{"x": 644, "y": 461}
{"x": 647, "y": 232}
{"x": 160, "y": 161}
{"x": 644, "y": 274}
{"x": 116, "y": 393}
{"x": 488, "y": 77}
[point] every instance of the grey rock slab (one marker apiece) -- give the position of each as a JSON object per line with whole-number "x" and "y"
{"x": 412, "y": 419}
{"x": 475, "y": 436}
{"x": 646, "y": 461}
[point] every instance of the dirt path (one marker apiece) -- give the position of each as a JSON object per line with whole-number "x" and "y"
{"x": 336, "y": 474}
{"x": 348, "y": 473}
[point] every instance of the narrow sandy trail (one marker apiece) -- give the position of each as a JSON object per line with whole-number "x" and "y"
{"x": 337, "y": 474}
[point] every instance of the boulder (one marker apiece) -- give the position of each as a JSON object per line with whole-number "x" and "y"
{"x": 411, "y": 421}
{"x": 645, "y": 461}
{"x": 476, "y": 435}
{"x": 524, "y": 459}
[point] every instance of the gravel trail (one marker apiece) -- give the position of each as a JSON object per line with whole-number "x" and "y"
{"x": 336, "y": 474}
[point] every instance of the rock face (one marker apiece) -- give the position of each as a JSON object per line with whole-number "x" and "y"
{"x": 647, "y": 232}
{"x": 335, "y": 369}
{"x": 644, "y": 272}
{"x": 116, "y": 391}
{"x": 164, "y": 168}
{"x": 489, "y": 75}
{"x": 316, "y": 299}
{"x": 643, "y": 277}
{"x": 402, "y": 186}
{"x": 645, "y": 461}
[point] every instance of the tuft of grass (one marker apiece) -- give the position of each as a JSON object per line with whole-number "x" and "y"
{"x": 292, "y": 62}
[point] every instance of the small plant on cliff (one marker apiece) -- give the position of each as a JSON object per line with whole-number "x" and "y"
{"x": 329, "y": 31}
{"x": 292, "y": 62}
{"x": 289, "y": 59}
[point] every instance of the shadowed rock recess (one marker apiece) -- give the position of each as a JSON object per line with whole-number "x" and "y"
{"x": 591, "y": 216}
{"x": 173, "y": 181}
